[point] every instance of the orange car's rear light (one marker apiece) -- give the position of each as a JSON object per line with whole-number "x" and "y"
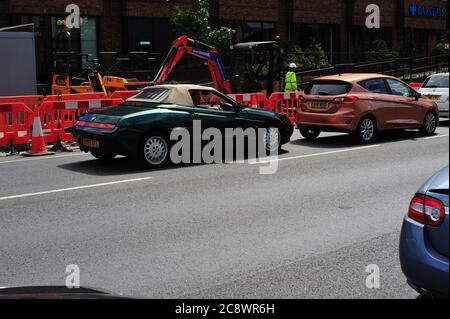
{"x": 349, "y": 99}
{"x": 103, "y": 126}
{"x": 427, "y": 210}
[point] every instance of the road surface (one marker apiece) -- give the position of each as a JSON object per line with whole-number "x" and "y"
{"x": 218, "y": 231}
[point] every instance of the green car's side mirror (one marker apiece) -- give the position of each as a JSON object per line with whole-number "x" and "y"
{"x": 238, "y": 107}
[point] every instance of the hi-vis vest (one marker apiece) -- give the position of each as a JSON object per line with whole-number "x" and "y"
{"x": 291, "y": 82}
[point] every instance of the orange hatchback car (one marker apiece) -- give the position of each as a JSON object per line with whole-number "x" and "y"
{"x": 363, "y": 104}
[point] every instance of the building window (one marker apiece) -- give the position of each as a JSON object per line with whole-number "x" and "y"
{"x": 252, "y": 31}
{"x": 361, "y": 40}
{"x": 153, "y": 35}
{"x": 149, "y": 34}
{"x": 88, "y": 38}
{"x": 327, "y": 35}
{"x": 413, "y": 42}
{"x": 258, "y": 31}
{"x": 83, "y": 40}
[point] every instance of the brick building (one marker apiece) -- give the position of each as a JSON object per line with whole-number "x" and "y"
{"x": 144, "y": 25}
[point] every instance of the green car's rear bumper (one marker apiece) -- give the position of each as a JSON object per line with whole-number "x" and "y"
{"x": 119, "y": 141}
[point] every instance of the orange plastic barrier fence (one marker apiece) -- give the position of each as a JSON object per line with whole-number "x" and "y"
{"x": 256, "y": 100}
{"x": 123, "y": 94}
{"x": 59, "y": 113}
{"x": 75, "y": 97}
{"x": 285, "y": 103}
{"x": 16, "y": 120}
{"x": 58, "y": 117}
{"x": 415, "y": 85}
{"x": 29, "y": 100}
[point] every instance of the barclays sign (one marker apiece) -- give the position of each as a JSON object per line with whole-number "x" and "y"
{"x": 424, "y": 11}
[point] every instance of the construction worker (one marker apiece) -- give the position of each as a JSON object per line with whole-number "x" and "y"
{"x": 291, "y": 79}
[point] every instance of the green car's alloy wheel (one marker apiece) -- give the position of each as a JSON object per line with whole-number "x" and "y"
{"x": 272, "y": 139}
{"x": 155, "y": 150}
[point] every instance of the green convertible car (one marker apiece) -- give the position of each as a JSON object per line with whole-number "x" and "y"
{"x": 141, "y": 127}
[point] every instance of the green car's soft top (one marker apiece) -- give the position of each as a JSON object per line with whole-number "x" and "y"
{"x": 178, "y": 94}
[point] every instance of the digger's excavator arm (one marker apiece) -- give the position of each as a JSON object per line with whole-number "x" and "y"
{"x": 184, "y": 45}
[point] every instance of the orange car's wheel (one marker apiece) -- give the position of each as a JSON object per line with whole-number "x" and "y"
{"x": 430, "y": 124}
{"x": 309, "y": 134}
{"x": 367, "y": 130}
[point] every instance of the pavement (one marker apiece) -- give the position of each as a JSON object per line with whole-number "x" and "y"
{"x": 222, "y": 230}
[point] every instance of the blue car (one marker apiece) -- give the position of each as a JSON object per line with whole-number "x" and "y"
{"x": 424, "y": 238}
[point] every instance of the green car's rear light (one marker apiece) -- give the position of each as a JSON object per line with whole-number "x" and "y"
{"x": 103, "y": 126}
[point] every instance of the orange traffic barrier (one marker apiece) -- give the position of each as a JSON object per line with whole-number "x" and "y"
{"x": 415, "y": 85}
{"x": 123, "y": 94}
{"x": 15, "y": 124}
{"x": 75, "y": 97}
{"x": 58, "y": 117}
{"x": 29, "y": 100}
{"x": 285, "y": 103}
{"x": 256, "y": 100}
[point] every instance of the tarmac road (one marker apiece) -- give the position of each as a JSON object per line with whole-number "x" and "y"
{"x": 218, "y": 231}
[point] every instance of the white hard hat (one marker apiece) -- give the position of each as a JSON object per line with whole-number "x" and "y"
{"x": 293, "y": 66}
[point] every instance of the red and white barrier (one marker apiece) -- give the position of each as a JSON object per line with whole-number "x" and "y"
{"x": 123, "y": 94}
{"x": 285, "y": 103}
{"x": 255, "y": 100}
{"x": 415, "y": 85}
{"x": 58, "y": 114}
{"x": 15, "y": 124}
{"x": 29, "y": 100}
{"x": 58, "y": 117}
{"x": 75, "y": 97}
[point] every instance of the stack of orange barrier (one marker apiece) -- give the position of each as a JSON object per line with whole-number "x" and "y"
{"x": 255, "y": 100}
{"x": 58, "y": 113}
{"x": 31, "y": 101}
{"x": 279, "y": 102}
{"x": 75, "y": 97}
{"x": 123, "y": 94}
{"x": 285, "y": 103}
{"x": 58, "y": 117}
{"x": 415, "y": 85}
{"x": 15, "y": 124}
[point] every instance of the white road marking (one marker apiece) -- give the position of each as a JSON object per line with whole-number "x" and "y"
{"x": 436, "y": 136}
{"x": 317, "y": 154}
{"x": 75, "y": 188}
{"x": 41, "y": 158}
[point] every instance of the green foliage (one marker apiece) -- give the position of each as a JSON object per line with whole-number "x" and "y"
{"x": 194, "y": 22}
{"x": 439, "y": 49}
{"x": 220, "y": 38}
{"x": 316, "y": 55}
{"x": 313, "y": 57}
{"x": 379, "y": 51}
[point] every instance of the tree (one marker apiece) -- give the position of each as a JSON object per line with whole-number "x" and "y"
{"x": 440, "y": 48}
{"x": 313, "y": 57}
{"x": 379, "y": 51}
{"x": 194, "y": 22}
{"x": 316, "y": 55}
